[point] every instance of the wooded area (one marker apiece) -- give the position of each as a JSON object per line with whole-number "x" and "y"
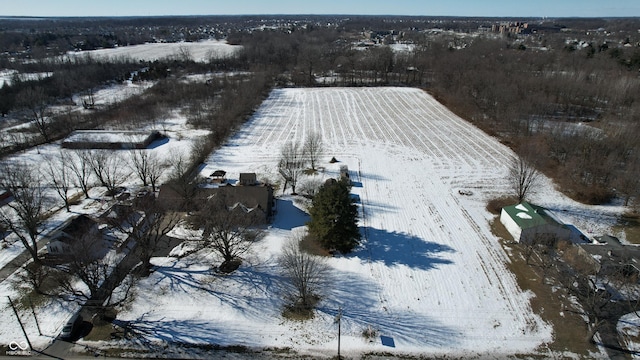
{"x": 561, "y": 92}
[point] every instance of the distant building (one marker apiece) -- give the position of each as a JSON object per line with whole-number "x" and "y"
{"x": 218, "y": 176}
{"x": 528, "y": 223}
{"x": 511, "y": 27}
{"x": 109, "y": 139}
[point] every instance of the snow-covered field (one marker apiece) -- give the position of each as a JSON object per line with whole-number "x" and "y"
{"x": 429, "y": 274}
{"x": 6, "y": 76}
{"x": 201, "y": 51}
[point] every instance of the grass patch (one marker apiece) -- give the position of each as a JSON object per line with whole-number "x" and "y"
{"x": 500, "y": 231}
{"x": 552, "y": 304}
{"x": 311, "y": 246}
{"x": 495, "y": 206}
{"x": 101, "y": 332}
{"x": 29, "y": 298}
{"x": 293, "y": 313}
{"x": 629, "y": 223}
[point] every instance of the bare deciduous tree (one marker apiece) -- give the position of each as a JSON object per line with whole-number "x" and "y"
{"x": 229, "y": 230}
{"x": 147, "y": 166}
{"x": 523, "y": 177}
{"x": 291, "y": 164}
{"x": 107, "y": 168}
{"x": 92, "y": 276}
{"x": 89, "y": 101}
{"x": 309, "y": 188}
{"x": 147, "y": 224}
{"x": 60, "y": 175}
{"x": 182, "y": 180}
{"x": 36, "y": 101}
{"x": 627, "y": 182}
{"x": 307, "y": 276}
{"x": 80, "y": 165}
{"x": 88, "y": 264}
{"x": 27, "y": 208}
{"x": 313, "y": 148}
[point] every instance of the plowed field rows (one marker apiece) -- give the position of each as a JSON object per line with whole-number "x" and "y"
{"x": 430, "y": 273}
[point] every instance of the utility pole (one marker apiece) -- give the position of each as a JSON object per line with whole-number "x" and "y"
{"x": 33, "y": 311}
{"x": 338, "y": 320}
{"x": 20, "y": 322}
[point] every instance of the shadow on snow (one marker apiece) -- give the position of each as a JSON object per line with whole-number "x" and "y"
{"x": 362, "y": 308}
{"x": 288, "y": 215}
{"x": 258, "y": 280}
{"x": 393, "y": 248}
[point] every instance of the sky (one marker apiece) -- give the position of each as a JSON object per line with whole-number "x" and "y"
{"x": 490, "y": 8}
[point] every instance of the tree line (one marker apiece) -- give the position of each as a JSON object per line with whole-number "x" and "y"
{"x": 534, "y": 91}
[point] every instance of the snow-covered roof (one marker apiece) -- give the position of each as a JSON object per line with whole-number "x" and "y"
{"x": 527, "y": 215}
{"x": 108, "y": 136}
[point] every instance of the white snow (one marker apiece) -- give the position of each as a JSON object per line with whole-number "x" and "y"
{"x": 201, "y": 51}
{"x": 107, "y": 136}
{"x": 522, "y": 215}
{"x": 6, "y": 76}
{"x": 629, "y": 330}
{"x": 430, "y": 274}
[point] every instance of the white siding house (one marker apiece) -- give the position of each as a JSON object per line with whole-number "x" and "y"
{"x": 529, "y": 223}
{"x": 73, "y": 230}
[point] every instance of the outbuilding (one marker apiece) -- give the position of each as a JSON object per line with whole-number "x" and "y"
{"x": 528, "y": 223}
{"x": 110, "y": 139}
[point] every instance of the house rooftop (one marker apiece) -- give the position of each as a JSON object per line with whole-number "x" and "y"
{"x": 527, "y": 215}
{"x": 108, "y": 136}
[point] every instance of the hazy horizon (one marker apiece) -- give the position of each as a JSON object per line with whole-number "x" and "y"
{"x": 453, "y": 8}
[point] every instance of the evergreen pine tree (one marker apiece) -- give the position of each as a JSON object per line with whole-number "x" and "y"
{"x": 334, "y": 217}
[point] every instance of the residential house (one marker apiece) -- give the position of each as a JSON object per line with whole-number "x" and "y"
{"x": 249, "y": 193}
{"x": 66, "y": 238}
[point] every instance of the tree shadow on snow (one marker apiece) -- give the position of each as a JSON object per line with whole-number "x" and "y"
{"x": 288, "y": 216}
{"x": 363, "y": 308}
{"x": 191, "y": 331}
{"x": 373, "y": 207}
{"x": 371, "y": 176}
{"x": 393, "y": 248}
{"x": 230, "y": 289}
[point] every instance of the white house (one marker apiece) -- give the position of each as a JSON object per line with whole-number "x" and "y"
{"x": 73, "y": 230}
{"x": 529, "y": 223}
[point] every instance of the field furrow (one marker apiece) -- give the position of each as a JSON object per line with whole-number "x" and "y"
{"x": 429, "y": 272}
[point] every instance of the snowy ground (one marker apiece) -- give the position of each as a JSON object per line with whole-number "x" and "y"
{"x": 430, "y": 274}
{"x": 53, "y": 314}
{"x": 201, "y": 51}
{"x": 180, "y": 140}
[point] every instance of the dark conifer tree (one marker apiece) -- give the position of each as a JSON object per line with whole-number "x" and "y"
{"x": 334, "y": 217}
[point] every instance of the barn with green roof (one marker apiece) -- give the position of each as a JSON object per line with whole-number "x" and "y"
{"x": 528, "y": 223}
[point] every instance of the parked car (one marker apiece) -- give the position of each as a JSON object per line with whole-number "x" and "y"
{"x": 71, "y": 326}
